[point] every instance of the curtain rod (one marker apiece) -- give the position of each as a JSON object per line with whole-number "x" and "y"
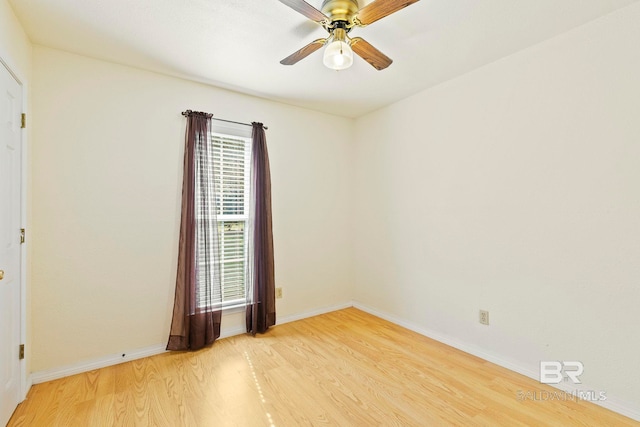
{"x": 186, "y": 113}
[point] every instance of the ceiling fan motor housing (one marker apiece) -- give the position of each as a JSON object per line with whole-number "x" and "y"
{"x": 340, "y": 10}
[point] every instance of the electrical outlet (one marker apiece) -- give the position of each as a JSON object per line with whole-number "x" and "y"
{"x": 484, "y": 317}
{"x": 278, "y": 292}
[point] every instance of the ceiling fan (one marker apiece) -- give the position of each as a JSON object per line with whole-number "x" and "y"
{"x": 339, "y": 17}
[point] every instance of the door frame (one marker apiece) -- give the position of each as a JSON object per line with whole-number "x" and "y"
{"x": 25, "y": 380}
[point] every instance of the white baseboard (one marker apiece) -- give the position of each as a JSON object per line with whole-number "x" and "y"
{"x": 314, "y": 312}
{"x": 613, "y": 404}
{"x": 90, "y": 365}
{"x": 114, "y": 359}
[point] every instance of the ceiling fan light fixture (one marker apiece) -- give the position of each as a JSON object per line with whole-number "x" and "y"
{"x": 339, "y": 17}
{"x": 338, "y": 55}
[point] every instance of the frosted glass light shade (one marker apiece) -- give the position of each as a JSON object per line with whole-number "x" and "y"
{"x": 338, "y": 55}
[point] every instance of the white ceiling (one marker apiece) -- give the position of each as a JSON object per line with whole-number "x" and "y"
{"x": 237, "y": 44}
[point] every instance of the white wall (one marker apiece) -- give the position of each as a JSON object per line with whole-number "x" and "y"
{"x": 107, "y": 162}
{"x": 15, "y": 47}
{"x": 515, "y": 189}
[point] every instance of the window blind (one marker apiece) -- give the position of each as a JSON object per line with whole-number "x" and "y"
{"x": 230, "y": 169}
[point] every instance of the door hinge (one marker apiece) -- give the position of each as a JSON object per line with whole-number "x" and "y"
{"x": 21, "y": 353}
{"x": 22, "y": 235}
{"x": 24, "y": 120}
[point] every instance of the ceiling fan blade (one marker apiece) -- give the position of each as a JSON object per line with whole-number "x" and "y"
{"x": 373, "y": 56}
{"x": 379, "y": 9}
{"x": 304, "y": 52}
{"x": 307, "y": 10}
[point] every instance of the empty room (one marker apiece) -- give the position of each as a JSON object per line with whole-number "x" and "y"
{"x": 320, "y": 212}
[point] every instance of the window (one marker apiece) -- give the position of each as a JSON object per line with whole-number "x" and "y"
{"x": 230, "y": 160}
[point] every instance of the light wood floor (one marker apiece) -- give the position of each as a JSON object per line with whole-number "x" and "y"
{"x": 345, "y": 368}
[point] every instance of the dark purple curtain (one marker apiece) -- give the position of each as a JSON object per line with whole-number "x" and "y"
{"x": 261, "y": 299}
{"x": 196, "y": 316}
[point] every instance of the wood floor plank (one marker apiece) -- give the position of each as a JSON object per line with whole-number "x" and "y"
{"x": 345, "y": 368}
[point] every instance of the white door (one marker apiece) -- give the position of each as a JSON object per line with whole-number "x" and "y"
{"x": 10, "y": 213}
